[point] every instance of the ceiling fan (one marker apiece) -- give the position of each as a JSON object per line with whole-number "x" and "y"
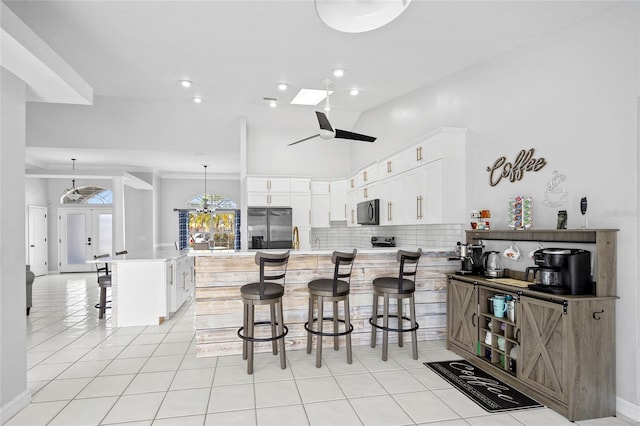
{"x": 327, "y": 132}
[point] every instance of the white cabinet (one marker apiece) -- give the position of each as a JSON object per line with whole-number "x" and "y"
{"x": 300, "y": 185}
{"x": 339, "y": 200}
{"x": 180, "y": 281}
{"x": 320, "y": 187}
{"x": 368, "y": 175}
{"x": 301, "y": 209}
{"x": 268, "y": 191}
{"x": 320, "y": 210}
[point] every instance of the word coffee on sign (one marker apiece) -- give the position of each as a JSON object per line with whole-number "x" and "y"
{"x": 524, "y": 162}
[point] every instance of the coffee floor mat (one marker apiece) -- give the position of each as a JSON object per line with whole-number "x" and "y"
{"x": 485, "y": 390}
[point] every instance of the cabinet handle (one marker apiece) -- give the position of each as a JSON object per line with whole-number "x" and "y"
{"x": 517, "y": 336}
{"x": 418, "y": 154}
{"x": 329, "y": 215}
{"x": 597, "y": 315}
{"x": 352, "y": 216}
{"x": 365, "y": 175}
{"x": 473, "y": 319}
{"x": 353, "y": 183}
{"x": 345, "y": 211}
{"x": 366, "y": 193}
{"x": 417, "y": 207}
{"x": 309, "y": 216}
{"x": 389, "y": 167}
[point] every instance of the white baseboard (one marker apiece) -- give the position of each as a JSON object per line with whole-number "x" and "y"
{"x": 628, "y": 409}
{"x": 14, "y": 406}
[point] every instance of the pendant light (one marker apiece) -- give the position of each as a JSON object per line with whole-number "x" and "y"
{"x": 205, "y": 205}
{"x": 72, "y": 193}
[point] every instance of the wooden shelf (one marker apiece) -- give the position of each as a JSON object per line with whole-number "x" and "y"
{"x": 589, "y": 236}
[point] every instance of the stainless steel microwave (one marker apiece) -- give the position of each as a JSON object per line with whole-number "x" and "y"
{"x": 369, "y": 212}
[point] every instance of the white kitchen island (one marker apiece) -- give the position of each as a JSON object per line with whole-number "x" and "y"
{"x": 148, "y": 287}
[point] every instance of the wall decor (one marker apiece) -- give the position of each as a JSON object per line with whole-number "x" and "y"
{"x": 524, "y": 162}
{"x": 555, "y": 195}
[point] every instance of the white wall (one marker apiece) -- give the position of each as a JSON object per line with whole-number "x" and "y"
{"x": 573, "y": 97}
{"x": 175, "y": 193}
{"x": 13, "y": 348}
{"x": 138, "y": 220}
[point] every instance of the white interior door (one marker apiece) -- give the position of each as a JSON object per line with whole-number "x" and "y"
{"x": 83, "y": 233}
{"x": 38, "y": 250}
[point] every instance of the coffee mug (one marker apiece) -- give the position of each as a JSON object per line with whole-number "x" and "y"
{"x": 512, "y": 253}
{"x": 532, "y": 252}
{"x": 501, "y": 343}
{"x": 511, "y": 310}
{"x": 499, "y": 306}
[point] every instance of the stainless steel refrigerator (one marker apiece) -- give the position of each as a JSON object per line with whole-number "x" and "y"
{"x": 269, "y": 228}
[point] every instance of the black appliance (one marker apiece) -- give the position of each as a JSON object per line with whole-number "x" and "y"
{"x": 369, "y": 212}
{"x": 269, "y": 228}
{"x": 567, "y": 271}
{"x": 470, "y": 256}
{"x": 383, "y": 241}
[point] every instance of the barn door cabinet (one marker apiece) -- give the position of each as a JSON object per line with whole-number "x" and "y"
{"x": 565, "y": 345}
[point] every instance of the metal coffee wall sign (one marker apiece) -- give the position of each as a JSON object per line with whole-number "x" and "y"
{"x": 514, "y": 171}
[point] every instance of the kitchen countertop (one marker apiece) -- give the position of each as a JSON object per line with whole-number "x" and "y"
{"x": 149, "y": 255}
{"x": 369, "y": 250}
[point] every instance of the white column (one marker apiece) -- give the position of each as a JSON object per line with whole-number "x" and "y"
{"x": 118, "y": 225}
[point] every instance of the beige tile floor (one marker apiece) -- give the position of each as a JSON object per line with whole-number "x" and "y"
{"x": 83, "y": 371}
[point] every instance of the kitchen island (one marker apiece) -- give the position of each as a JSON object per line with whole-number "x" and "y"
{"x": 148, "y": 287}
{"x": 220, "y": 274}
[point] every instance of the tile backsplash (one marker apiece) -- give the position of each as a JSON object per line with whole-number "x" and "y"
{"x": 339, "y": 235}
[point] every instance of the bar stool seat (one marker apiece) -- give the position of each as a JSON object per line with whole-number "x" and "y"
{"x": 334, "y": 290}
{"x": 399, "y": 288}
{"x": 273, "y": 267}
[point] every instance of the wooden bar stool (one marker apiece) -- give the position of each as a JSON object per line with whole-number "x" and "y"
{"x": 273, "y": 267}
{"x": 399, "y": 288}
{"x": 334, "y": 290}
{"x": 104, "y": 282}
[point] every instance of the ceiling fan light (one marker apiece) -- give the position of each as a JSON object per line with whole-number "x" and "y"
{"x": 282, "y": 86}
{"x": 338, "y": 72}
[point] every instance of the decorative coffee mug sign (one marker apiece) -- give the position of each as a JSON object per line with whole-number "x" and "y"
{"x": 524, "y": 162}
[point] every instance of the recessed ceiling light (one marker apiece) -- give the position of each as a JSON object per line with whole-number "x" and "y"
{"x": 309, "y": 97}
{"x": 197, "y": 99}
{"x": 354, "y": 92}
{"x": 282, "y": 86}
{"x": 186, "y": 83}
{"x": 273, "y": 104}
{"x": 339, "y": 72}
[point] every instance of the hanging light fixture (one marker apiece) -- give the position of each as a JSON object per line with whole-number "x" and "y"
{"x": 205, "y": 205}
{"x": 72, "y": 193}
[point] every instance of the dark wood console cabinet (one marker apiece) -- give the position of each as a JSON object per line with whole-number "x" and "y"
{"x": 565, "y": 344}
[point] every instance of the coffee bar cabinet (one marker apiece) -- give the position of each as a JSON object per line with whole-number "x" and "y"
{"x": 558, "y": 349}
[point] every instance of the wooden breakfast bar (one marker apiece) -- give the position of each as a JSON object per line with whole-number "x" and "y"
{"x": 219, "y": 276}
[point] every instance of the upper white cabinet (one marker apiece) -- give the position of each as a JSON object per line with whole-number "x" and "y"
{"x": 300, "y": 185}
{"x": 301, "y": 209}
{"x": 338, "y": 192}
{"x": 268, "y": 184}
{"x": 320, "y": 204}
{"x": 368, "y": 175}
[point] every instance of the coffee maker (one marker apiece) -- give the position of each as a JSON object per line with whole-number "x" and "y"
{"x": 470, "y": 258}
{"x": 562, "y": 271}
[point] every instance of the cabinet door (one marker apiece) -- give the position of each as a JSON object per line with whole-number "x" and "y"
{"x": 280, "y": 185}
{"x": 542, "y": 361}
{"x": 415, "y": 184}
{"x": 320, "y": 207}
{"x": 339, "y": 200}
{"x": 353, "y": 198}
{"x": 257, "y": 184}
{"x": 300, "y": 209}
{"x": 433, "y": 192}
{"x": 300, "y": 184}
{"x": 257, "y": 199}
{"x": 462, "y": 315}
{"x": 319, "y": 187}
{"x": 277, "y": 199}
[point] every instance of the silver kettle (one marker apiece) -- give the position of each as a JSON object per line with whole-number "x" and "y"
{"x": 492, "y": 264}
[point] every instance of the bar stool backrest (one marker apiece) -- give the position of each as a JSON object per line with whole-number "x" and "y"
{"x": 410, "y": 259}
{"x": 102, "y": 270}
{"x": 273, "y": 267}
{"x": 343, "y": 266}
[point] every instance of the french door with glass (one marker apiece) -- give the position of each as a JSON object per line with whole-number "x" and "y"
{"x": 83, "y": 233}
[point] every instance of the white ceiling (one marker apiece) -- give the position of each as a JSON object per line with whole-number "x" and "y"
{"x": 135, "y": 52}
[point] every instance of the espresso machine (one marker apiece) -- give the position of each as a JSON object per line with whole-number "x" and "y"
{"x": 469, "y": 256}
{"x": 561, "y": 271}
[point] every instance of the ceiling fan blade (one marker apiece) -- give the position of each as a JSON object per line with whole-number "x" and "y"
{"x": 305, "y": 139}
{"x": 323, "y": 121}
{"x": 343, "y": 134}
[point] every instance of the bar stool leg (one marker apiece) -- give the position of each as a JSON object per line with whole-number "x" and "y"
{"x": 310, "y": 321}
{"x": 320, "y": 324}
{"x": 374, "y": 319}
{"x": 274, "y": 344}
{"x": 347, "y": 324}
{"x": 283, "y": 357}
{"x": 336, "y": 344}
{"x": 103, "y": 302}
{"x": 245, "y": 325}
{"x": 414, "y": 334}
{"x": 385, "y": 330}
{"x": 400, "y": 340}
{"x": 249, "y": 333}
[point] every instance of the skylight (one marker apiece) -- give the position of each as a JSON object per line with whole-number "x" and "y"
{"x": 309, "y": 97}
